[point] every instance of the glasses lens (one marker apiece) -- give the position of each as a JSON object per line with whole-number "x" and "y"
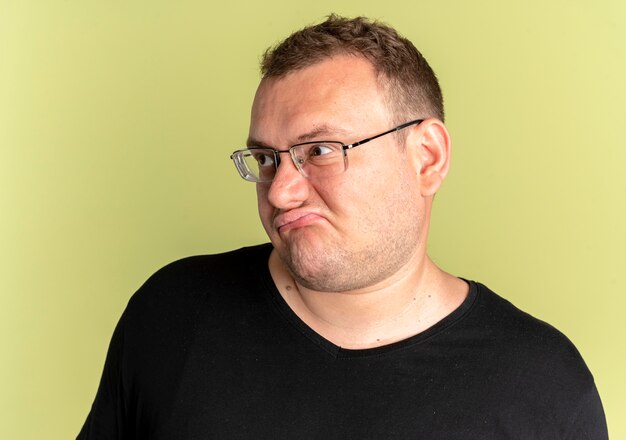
{"x": 320, "y": 159}
{"x": 256, "y": 164}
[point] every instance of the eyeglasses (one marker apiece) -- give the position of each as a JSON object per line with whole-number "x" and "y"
{"x": 315, "y": 160}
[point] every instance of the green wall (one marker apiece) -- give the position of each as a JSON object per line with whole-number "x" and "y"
{"x": 117, "y": 119}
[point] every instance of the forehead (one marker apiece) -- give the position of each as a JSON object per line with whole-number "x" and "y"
{"x": 342, "y": 91}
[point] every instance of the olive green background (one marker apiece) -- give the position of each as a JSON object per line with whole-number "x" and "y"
{"x": 117, "y": 119}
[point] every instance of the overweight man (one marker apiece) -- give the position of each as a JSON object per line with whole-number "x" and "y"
{"x": 341, "y": 327}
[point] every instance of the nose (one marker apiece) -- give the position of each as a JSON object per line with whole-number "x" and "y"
{"x": 289, "y": 189}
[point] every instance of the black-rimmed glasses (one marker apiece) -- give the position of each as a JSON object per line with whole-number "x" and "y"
{"x": 314, "y": 160}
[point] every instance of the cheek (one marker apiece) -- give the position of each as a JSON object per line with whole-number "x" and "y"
{"x": 264, "y": 207}
{"x": 352, "y": 200}
{"x": 381, "y": 191}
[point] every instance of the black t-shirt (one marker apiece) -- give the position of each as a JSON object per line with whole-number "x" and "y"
{"x": 208, "y": 349}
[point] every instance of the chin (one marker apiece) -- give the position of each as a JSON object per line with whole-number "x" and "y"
{"x": 321, "y": 268}
{"x": 327, "y": 266}
{"x": 311, "y": 265}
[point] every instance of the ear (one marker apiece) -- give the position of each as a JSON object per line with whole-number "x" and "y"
{"x": 430, "y": 147}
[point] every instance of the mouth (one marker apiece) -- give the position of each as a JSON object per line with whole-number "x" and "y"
{"x": 294, "y": 220}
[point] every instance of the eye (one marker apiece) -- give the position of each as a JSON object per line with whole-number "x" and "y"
{"x": 264, "y": 159}
{"x": 321, "y": 150}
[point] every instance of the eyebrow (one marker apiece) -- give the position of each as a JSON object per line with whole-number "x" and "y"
{"x": 314, "y": 134}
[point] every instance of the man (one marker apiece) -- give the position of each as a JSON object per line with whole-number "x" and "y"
{"x": 342, "y": 327}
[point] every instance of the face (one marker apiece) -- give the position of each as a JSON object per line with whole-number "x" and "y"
{"x": 355, "y": 229}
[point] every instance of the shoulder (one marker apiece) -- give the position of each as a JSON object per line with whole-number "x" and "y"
{"x": 205, "y": 291}
{"x": 204, "y": 271}
{"x": 203, "y": 268}
{"x": 531, "y": 349}
{"x": 505, "y": 322}
{"x": 508, "y": 326}
{"x": 536, "y": 357}
{"x": 199, "y": 281}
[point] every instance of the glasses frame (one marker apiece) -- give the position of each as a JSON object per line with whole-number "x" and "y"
{"x": 237, "y": 156}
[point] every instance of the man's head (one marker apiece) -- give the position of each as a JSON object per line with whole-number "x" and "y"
{"x": 409, "y": 82}
{"x": 361, "y": 227}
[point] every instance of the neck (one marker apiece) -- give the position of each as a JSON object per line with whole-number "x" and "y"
{"x": 415, "y": 298}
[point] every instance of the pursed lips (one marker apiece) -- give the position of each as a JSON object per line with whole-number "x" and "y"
{"x": 294, "y": 219}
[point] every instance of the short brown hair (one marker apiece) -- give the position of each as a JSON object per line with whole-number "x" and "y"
{"x": 411, "y": 85}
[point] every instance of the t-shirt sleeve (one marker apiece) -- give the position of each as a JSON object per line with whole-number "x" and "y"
{"x": 588, "y": 422}
{"x": 106, "y": 419}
